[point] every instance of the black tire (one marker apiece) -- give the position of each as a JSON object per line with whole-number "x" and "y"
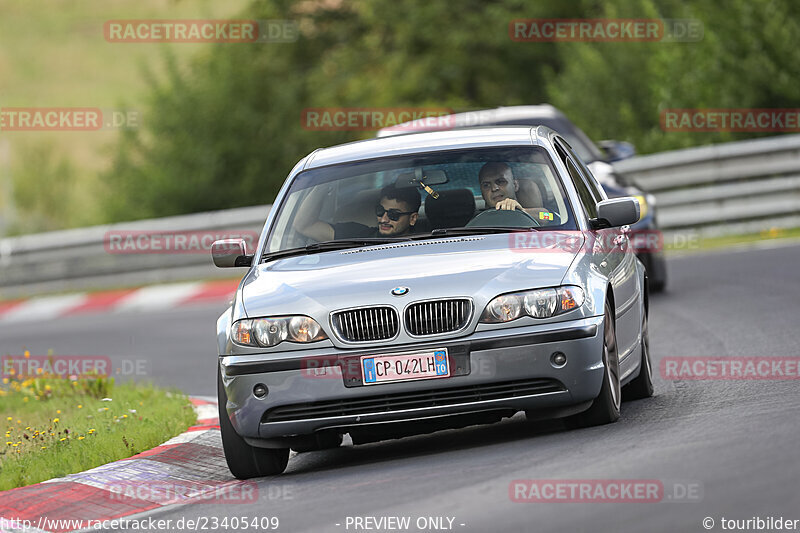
{"x": 658, "y": 285}
{"x": 605, "y": 408}
{"x": 245, "y": 461}
{"x": 642, "y": 385}
{"x": 656, "y": 269}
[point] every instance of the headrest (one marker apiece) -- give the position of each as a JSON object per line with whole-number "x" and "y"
{"x": 360, "y": 208}
{"x": 452, "y": 209}
{"x": 529, "y": 193}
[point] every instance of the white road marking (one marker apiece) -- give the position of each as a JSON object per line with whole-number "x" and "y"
{"x": 205, "y": 412}
{"x": 43, "y": 308}
{"x": 158, "y": 297}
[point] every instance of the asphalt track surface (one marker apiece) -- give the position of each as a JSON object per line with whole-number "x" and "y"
{"x": 734, "y": 444}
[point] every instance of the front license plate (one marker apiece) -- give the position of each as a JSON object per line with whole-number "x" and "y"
{"x": 405, "y": 367}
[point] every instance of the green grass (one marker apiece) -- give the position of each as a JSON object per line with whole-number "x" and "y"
{"x": 53, "y": 427}
{"x": 54, "y": 54}
{"x": 710, "y": 243}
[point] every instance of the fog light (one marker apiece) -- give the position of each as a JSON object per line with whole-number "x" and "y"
{"x": 260, "y": 390}
{"x": 558, "y": 359}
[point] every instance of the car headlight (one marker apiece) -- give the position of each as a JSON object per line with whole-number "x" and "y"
{"x": 266, "y": 332}
{"x": 541, "y": 303}
{"x": 642, "y": 205}
{"x": 503, "y": 309}
{"x": 538, "y": 303}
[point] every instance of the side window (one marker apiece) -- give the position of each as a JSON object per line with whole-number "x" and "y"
{"x": 588, "y": 200}
{"x": 587, "y": 174}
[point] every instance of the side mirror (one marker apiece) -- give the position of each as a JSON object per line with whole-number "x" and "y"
{"x": 230, "y": 253}
{"x": 617, "y": 150}
{"x": 616, "y": 212}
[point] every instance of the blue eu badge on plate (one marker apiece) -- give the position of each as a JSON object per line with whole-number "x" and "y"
{"x": 441, "y": 363}
{"x": 369, "y": 370}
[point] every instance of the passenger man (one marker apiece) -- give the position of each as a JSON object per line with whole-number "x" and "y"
{"x": 396, "y": 214}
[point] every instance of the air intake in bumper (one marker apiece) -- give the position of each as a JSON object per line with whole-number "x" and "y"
{"x": 388, "y": 403}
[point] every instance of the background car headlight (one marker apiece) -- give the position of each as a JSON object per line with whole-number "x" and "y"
{"x": 642, "y": 206}
{"x": 539, "y": 303}
{"x": 266, "y": 332}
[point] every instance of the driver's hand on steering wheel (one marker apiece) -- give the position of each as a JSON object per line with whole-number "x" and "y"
{"x": 508, "y": 204}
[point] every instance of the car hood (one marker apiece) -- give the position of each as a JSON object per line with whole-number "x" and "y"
{"x": 479, "y": 267}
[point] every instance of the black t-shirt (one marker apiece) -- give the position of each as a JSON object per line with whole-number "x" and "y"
{"x": 353, "y": 230}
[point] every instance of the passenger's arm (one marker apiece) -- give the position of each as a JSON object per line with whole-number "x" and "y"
{"x": 307, "y": 219}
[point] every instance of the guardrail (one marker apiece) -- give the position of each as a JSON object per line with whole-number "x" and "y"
{"x": 725, "y": 189}
{"x": 78, "y": 259}
{"x": 739, "y": 187}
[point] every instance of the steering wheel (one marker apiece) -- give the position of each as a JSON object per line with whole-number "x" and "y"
{"x": 503, "y": 218}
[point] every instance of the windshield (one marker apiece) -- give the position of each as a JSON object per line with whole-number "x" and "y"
{"x": 412, "y": 196}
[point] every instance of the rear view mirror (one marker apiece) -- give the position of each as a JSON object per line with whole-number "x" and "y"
{"x": 616, "y": 212}
{"x": 429, "y": 177}
{"x": 228, "y": 253}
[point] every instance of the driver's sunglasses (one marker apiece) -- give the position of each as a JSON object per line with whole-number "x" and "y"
{"x": 394, "y": 214}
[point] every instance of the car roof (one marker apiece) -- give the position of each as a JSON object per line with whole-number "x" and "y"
{"x": 422, "y": 142}
{"x": 487, "y": 116}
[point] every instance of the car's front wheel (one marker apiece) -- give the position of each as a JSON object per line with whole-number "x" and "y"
{"x": 642, "y": 385}
{"x": 245, "y": 461}
{"x": 605, "y": 408}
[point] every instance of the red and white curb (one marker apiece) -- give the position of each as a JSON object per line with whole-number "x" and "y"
{"x": 193, "y": 459}
{"x": 154, "y": 297}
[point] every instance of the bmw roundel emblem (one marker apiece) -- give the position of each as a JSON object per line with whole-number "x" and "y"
{"x": 400, "y": 291}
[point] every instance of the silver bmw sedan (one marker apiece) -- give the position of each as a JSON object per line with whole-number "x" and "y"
{"x": 408, "y": 284}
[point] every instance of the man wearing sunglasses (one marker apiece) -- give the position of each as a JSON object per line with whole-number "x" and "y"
{"x": 396, "y": 215}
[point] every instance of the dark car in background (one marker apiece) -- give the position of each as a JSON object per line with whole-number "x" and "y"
{"x": 597, "y": 158}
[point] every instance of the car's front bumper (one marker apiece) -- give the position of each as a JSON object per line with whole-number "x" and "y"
{"x": 502, "y": 370}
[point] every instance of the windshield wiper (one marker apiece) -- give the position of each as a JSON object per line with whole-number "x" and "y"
{"x": 343, "y": 244}
{"x": 327, "y": 246}
{"x": 475, "y": 230}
